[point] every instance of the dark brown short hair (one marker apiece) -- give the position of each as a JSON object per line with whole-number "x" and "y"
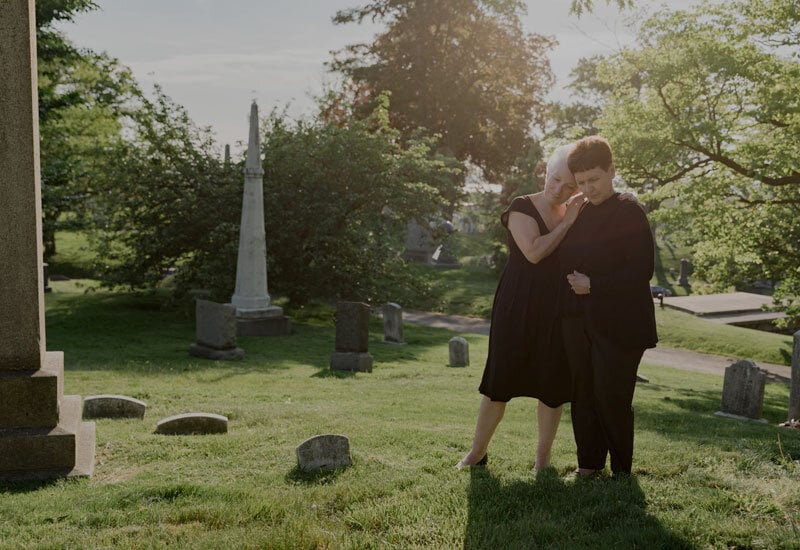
{"x": 589, "y": 152}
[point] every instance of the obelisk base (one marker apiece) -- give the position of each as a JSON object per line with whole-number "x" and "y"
{"x": 269, "y": 321}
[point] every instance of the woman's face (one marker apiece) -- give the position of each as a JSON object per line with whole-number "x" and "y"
{"x": 560, "y": 183}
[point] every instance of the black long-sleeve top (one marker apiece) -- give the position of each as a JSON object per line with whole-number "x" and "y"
{"x": 611, "y": 243}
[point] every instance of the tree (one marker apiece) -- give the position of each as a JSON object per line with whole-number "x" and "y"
{"x": 337, "y": 198}
{"x": 81, "y": 98}
{"x": 704, "y": 114}
{"x": 169, "y": 202}
{"x": 579, "y": 7}
{"x": 463, "y": 69}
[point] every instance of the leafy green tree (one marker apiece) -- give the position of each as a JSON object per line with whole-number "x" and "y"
{"x": 579, "y": 7}
{"x": 81, "y": 98}
{"x": 169, "y": 202}
{"x": 462, "y": 69}
{"x": 704, "y": 114}
{"x": 337, "y": 201}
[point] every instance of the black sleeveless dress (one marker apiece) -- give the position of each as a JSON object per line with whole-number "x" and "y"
{"x": 526, "y": 352}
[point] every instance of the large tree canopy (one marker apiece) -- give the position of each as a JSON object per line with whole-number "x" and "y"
{"x": 705, "y": 112}
{"x": 463, "y": 69}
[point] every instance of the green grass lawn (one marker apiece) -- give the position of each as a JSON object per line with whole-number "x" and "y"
{"x": 699, "y": 480}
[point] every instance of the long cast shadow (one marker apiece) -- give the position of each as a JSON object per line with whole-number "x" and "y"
{"x": 549, "y": 512}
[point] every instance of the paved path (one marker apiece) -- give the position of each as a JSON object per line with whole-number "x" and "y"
{"x": 661, "y": 356}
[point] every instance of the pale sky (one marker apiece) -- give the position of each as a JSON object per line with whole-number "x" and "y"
{"x": 215, "y": 57}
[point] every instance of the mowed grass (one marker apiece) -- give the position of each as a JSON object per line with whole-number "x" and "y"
{"x": 699, "y": 480}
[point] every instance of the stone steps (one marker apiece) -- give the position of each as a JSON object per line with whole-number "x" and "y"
{"x": 38, "y": 453}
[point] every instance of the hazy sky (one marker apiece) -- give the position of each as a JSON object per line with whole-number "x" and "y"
{"x": 215, "y": 57}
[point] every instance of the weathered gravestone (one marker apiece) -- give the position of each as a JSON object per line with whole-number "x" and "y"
{"x": 393, "y": 323}
{"x": 41, "y": 433}
{"x": 193, "y": 424}
{"x": 113, "y": 406}
{"x": 684, "y": 278}
{"x": 794, "y": 388}
{"x": 256, "y": 316}
{"x": 743, "y": 390}
{"x": 352, "y": 338}
{"x": 328, "y": 452}
{"x": 419, "y": 243}
{"x": 215, "y": 326}
{"x": 459, "y": 352}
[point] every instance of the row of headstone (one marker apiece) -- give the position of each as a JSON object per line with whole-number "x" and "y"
{"x": 122, "y": 406}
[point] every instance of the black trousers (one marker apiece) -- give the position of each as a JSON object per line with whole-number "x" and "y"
{"x": 603, "y": 380}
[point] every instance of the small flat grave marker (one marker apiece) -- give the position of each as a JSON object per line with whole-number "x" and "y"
{"x": 113, "y": 406}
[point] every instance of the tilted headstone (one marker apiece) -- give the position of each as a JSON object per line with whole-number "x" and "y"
{"x": 113, "y": 406}
{"x": 328, "y": 452}
{"x": 684, "y": 278}
{"x": 193, "y": 424}
{"x": 743, "y": 390}
{"x": 459, "y": 352}
{"x": 794, "y": 388}
{"x": 352, "y": 338}
{"x": 215, "y": 326}
{"x": 41, "y": 433}
{"x": 393, "y": 323}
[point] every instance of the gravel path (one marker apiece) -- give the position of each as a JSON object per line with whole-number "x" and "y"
{"x": 662, "y": 356}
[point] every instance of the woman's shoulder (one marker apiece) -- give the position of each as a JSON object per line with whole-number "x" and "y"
{"x": 523, "y": 203}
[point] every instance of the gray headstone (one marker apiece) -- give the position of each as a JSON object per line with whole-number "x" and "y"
{"x": 205, "y": 352}
{"x": 393, "y": 323}
{"x": 324, "y": 451}
{"x": 684, "y": 278}
{"x": 352, "y": 326}
{"x": 113, "y": 406}
{"x": 193, "y": 424}
{"x": 794, "y": 388}
{"x": 459, "y": 352}
{"x": 352, "y": 361}
{"x": 419, "y": 243}
{"x": 215, "y": 324}
{"x": 743, "y": 389}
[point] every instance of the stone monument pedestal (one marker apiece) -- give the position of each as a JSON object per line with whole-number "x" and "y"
{"x": 352, "y": 361}
{"x": 269, "y": 321}
{"x": 41, "y": 432}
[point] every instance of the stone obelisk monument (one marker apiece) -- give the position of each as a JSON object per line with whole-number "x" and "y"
{"x": 255, "y": 316}
{"x": 41, "y": 433}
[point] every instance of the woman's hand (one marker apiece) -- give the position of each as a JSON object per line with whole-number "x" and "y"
{"x": 579, "y": 282}
{"x": 574, "y": 205}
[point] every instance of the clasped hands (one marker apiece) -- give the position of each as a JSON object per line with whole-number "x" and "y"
{"x": 579, "y": 282}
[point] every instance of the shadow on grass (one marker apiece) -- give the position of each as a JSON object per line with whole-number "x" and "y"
{"x": 552, "y": 512}
{"x": 27, "y": 486}
{"x": 319, "y": 477}
{"x": 687, "y": 415}
{"x": 327, "y": 372}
